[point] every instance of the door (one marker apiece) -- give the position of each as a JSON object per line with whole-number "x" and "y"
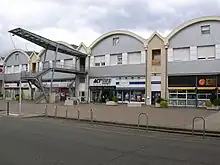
{"x": 154, "y": 96}
{"x": 34, "y": 67}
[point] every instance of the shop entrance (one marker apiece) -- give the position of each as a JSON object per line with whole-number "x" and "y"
{"x": 154, "y": 96}
{"x": 101, "y": 95}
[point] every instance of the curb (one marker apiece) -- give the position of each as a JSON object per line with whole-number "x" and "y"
{"x": 142, "y": 127}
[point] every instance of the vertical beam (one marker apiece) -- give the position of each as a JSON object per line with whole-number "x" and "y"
{"x": 53, "y": 69}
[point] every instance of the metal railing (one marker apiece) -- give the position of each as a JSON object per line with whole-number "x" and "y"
{"x": 45, "y": 109}
{"x": 193, "y": 125}
{"x": 91, "y": 116}
{"x": 146, "y": 120}
{"x": 55, "y": 111}
{"x": 78, "y": 114}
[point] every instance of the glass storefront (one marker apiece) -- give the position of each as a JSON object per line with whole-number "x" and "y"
{"x": 189, "y": 98}
{"x": 182, "y": 98}
{"x": 126, "y": 96}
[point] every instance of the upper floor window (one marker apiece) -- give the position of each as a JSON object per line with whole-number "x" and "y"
{"x": 206, "y": 52}
{"x": 134, "y": 57}
{"x": 115, "y": 41}
{"x": 156, "y": 57}
{"x": 115, "y": 59}
{"x": 205, "y": 29}
{"x": 99, "y": 60}
{"x": 16, "y": 56}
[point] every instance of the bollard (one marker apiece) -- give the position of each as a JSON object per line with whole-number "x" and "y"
{"x": 7, "y": 108}
{"x": 66, "y": 112}
{"x": 91, "y": 116}
{"x": 45, "y": 108}
{"x": 55, "y": 112}
{"x": 78, "y": 114}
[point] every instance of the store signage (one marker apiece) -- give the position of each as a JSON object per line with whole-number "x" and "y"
{"x": 123, "y": 83}
{"x": 207, "y": 82}
{"x": 102, "y": 81}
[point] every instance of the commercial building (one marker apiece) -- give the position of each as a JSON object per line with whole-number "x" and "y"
{"x": 193, "y": 62}
{"x": 117, "y": 67}
{"x": 14, "y": 63}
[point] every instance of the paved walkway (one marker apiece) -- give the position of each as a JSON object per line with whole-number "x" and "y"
{"x": 170, "y": 117}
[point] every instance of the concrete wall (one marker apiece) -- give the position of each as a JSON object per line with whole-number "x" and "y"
{"x": 126, "y": 44}
{"x": 11, "y": 60}
{"x": 191, "y": 36}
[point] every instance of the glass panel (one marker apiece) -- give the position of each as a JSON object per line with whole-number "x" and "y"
{"x": 201, "y": 96}
{"x": 126, "y": 96}
{"x": 181, "y": 91}
{"x": 191, "y": 102}
{"x": 172, "y": 95}
{"x": 181, "y": 102}
{"x": 182, "y": 96}
{"x": 191, "y": 96}
{"x": 119, "y": 95}
{"x": 173, "y": 102}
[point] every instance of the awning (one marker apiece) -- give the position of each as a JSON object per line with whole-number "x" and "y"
{"x": 46, "y": 43}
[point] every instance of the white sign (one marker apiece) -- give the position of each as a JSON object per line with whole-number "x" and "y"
{"x": 103, "y": 82}
{"x": 124, "y": 83}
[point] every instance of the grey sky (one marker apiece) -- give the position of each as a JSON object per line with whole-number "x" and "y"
{"x": 74, "y": 21}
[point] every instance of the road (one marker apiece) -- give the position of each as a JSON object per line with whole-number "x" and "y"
{"x": 58, "y": 142}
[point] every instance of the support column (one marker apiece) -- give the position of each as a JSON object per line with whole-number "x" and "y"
{"x": 77, "y": 86}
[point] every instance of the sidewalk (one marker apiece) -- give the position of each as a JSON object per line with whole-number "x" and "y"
{"x": 170, "y": 117}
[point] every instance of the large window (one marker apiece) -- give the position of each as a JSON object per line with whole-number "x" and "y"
{"x": 99, "y": 60}
{"x": 181, "y": 54}
{"x": 206, "y": 52}
{"x": 134, "y": 58}
{"x": 182, "y": 98}
{"x": 16, "y": 69}
{"x": 182, "y": 81}
{"x": 115, "y": 59}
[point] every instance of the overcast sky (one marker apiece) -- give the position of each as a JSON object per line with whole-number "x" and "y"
{"x": 74, "y": 21}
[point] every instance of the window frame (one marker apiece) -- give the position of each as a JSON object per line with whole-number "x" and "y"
{"x": 205, "y": 31}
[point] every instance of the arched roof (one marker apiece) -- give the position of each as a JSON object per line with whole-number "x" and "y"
{"x": 14, "y": 51}
{"x": 117, "y": 32}
{"x": 191, "y": 22}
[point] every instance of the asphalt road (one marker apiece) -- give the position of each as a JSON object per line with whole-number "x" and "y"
{"x": 60, "y": 142}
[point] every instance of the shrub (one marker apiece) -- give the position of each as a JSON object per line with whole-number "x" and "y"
{"x": 159, "y": 100}
{"x": 16, "y": 98}
{"x": 114, "y": 99}
{"x": 208, "y": 103}
{"x": 164, "y": 104}
{"x": 216, "y": 102}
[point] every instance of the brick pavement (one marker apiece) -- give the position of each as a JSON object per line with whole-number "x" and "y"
{"x": 170, "y": 117}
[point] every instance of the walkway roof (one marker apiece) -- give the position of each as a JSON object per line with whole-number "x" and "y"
{"x": 46, "y": 43}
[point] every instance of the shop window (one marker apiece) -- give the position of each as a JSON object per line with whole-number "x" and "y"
{"x": 156, "y": 57}
{"x": 119, "y": 59}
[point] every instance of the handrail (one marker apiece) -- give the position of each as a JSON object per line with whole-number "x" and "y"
{"x": 146, "y": 115}
{"x": 193, "y": 125}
